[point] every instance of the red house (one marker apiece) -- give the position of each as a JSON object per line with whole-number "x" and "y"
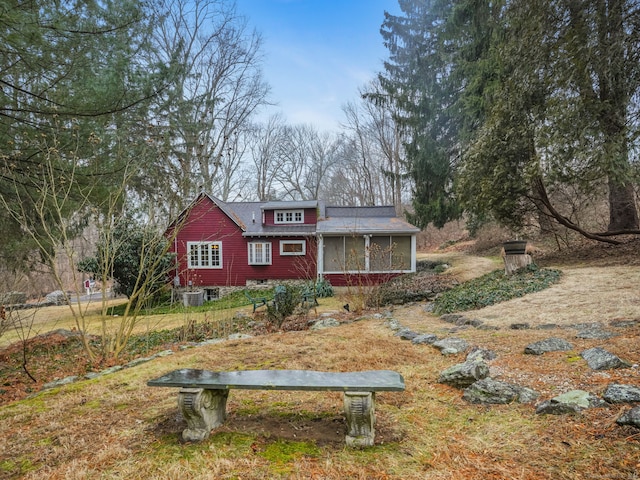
{"x": 230, "y": 244}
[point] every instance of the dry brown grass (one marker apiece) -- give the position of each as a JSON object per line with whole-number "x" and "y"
{"x": 117, "y": 427}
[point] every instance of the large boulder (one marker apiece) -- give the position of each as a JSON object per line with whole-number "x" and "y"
{"x": 548, "y": 345}
{"x": 490, "y": 391}
{"x": 600, "y": 359}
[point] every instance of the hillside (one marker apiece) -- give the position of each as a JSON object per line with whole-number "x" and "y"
{"x": 117, "y": 427}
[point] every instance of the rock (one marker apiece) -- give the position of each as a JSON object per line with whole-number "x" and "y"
{"x": 138, "y": 361}
{"x": 56, "y": 297}
{"x": 623, "y": 323}
{"x": 393, "y": 324}
{"x": 630, "y": 417}
{"x": 425, "y": 339}
{"x": 489, "y": 391}
{"x": 325, "y": 323}
{"x": 488, "y": 327}
{"x": 464, "y": 374}
{"x": 242, "y": 336}
{"x": 461, "y": 320}
{"x": 548, "y": 326}
{"x": 110, "y": 370}
{"x": 451, "y": 346}
{"x": 548, "y": 345}
{"x": 617, "y": 393}
{"x": 594, "y": 334}
{"x": 406, "y": 334}
{"x": 163, "y": 353}
{"x": 600, "y": 359}
{"x": 63, "y": 332}
{"x": 451, "y": 317}
{"x": 59, "y": 383}
{"x": 10, "y": 298}
{"x": 570, "y": 402}
{"x": 429, "y": 307}
{"x": 477, "y": 353}
{"x": 587, "y": 326}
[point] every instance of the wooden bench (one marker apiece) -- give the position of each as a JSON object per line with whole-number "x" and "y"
{"x": 203, "y": 395}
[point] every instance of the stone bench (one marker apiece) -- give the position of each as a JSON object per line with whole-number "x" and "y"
{"x": 203, "y": 395}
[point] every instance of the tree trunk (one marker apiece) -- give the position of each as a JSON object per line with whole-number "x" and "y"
{"x": 623, "y": 214}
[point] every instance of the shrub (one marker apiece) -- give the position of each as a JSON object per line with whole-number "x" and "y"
{"x": 324, "y": 289}
{"x": 285, "y": 301}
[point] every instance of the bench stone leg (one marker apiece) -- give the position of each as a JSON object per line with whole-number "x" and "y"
{"x": 203, "y": 410}
{"x": 359, "y": 408}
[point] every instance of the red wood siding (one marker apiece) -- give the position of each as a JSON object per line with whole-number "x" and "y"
{"x": 205, "y": 222}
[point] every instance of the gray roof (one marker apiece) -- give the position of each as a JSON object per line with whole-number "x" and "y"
{"x": 365, "y": 225}
{"x": 250, "y": 214}
{"x": 363, "y": 220}
{"x": 286, "y": 205}
{"x": 336, "y": 220}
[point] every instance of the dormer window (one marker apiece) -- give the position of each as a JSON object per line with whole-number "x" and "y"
{"x": 289, "y": 216}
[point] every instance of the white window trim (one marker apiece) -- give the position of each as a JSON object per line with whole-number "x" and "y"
{"x": 284, "y": 213}
{"x": 251, "y": 253}
{"x": 297, "y": 242}
{"x": 209, "y": 244}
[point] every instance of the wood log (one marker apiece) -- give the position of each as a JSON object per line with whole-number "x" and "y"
{"x": 516, "y": 262}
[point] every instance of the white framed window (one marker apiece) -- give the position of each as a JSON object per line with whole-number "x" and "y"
{"x": 204, "y": 254}
{"x": 293, "y": 247}
{"x": 259, "y": 253}
{"x": 289, "y": 216}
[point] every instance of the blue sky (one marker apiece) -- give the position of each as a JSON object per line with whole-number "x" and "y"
{"x": 318, "y": 53}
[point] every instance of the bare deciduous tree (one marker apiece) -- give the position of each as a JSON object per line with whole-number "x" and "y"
{"x": 306, "y": 157}
{"x": 217, "y": 85}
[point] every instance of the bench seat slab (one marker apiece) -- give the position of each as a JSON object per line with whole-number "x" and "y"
{"x": 308, "y": 380}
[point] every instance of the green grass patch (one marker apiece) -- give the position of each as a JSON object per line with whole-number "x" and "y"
{"x": 233, "y": 300}
{"x": 495, "y": 287}
{"x": 281, "y": 453}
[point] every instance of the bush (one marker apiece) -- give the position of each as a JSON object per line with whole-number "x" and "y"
{"x": 285, "y": 301}
{"x": 324, "y": 289}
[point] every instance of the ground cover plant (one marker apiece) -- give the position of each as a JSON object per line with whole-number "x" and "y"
{"x": 495, "y": 287}
{"x": 117, "y": 427}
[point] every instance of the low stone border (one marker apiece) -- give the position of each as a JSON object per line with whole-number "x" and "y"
{"x": 478, "y": 387}
{"x": 136, "y": 362}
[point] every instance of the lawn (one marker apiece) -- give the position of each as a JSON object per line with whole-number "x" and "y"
{"x": 117, "y": 427}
